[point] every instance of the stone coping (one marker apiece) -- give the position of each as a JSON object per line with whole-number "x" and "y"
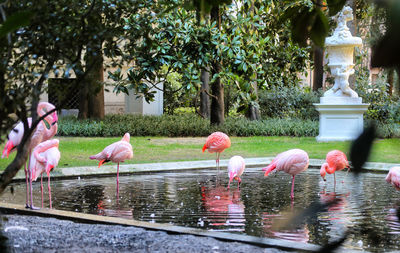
{"x": 108, "y": 170}
{"x": 98, "y": 219}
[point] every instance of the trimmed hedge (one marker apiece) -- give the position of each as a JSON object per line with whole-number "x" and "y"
{"x": 193, "y": 125}
{"x": 289, "y": 102}
{"x": 183, "y": 125}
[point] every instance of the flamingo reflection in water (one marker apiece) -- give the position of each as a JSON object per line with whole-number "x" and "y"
{"x": 392, "y": 219}
{"x": 338, "y": 214}
{"x": 111, "y": 211}
{"x": 225, "y": 209}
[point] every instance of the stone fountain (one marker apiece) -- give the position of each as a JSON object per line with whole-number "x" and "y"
{"x": 340, "y": 109}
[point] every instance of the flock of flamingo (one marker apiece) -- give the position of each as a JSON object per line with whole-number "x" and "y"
{"x": 45, "y": 155}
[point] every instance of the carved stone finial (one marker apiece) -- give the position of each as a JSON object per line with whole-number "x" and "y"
{"x": 340, "y": 49}
{"x": 342, "y": 17}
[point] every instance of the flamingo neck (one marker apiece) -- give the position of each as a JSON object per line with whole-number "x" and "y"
{"x": 43, "y": 108}
{"x": 329, "y": 170}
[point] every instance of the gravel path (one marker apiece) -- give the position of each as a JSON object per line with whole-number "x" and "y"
{"x": 38, "y": 234}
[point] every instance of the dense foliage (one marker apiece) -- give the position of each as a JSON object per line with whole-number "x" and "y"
{"x": 284, "y": 102}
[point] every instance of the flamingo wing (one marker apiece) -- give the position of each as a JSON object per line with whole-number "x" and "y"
{"x": 293, "y": 161}
{"x": 217, "y": 142}
{"x": 123, "y": 151}
{"x": 393, "y": 177}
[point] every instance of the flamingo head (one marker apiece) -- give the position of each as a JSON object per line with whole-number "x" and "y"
{"x": 322, "y": 172}
{"x": 232, "y": 175}
{"x": 347, "y": 164}
{"x": 266, "y": 171}
{"x": 49, "y": 168}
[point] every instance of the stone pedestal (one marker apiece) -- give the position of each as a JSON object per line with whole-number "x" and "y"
{"x": 340, "y": 119}
{"x": 340, "y": 109}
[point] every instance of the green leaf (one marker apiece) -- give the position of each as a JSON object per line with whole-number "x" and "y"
{"x": 15, "y": 21}
{"x": 320, "y": 28}
{"x": 289, "y": 13}
{"x": 301, "y": 26}
{"x": 334, "y": 6}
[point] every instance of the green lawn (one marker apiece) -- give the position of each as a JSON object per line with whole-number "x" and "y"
{"x": 75, "y": 151}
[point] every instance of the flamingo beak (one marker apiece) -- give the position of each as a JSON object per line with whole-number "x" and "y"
{"x": 7, "y": 149}
{"x": 49, "y": 168}
{"x": 101, "y": 162}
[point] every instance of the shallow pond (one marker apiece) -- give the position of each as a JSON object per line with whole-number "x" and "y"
{"x": 365, "y": 204}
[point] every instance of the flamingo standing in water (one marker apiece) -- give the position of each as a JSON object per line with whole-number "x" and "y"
{"x": 44, "y": 158}
{"x": 292, "y": 162}
{"x": 116, "y": 152}
{"x": 217, "y": 142}
{"x": 41, "y": 133}
{"x": 393, "y": 177}
{"x": 236, "y": 167}
{"x": 335, "y": 160}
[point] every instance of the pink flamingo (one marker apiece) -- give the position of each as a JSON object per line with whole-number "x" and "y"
{"x": 236, "y": 167}
{"x": 116, "y": 152}
{"x": 44, "y": 158}
{"x": 335, "y": 160}
{"x": 292, "y": 162}
{"x": 393, "y": 177}
{"x": 41, "y": 133}
{"x": 217, "y": 142}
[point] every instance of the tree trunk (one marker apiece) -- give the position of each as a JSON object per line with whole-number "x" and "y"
{"x": 397, "y": 68}
{"x": 96, "y": 97}
{"x": 217, "y": 88}
{"x": 318, "y": 72}
{"x": 91, "y": 104}
{"x": 205, "y": 83}
{"x": 204, "y": 97}
{"x": 253, "y": 112}
{"x": 217, "y": 100}
{"x": 318, "y": 57}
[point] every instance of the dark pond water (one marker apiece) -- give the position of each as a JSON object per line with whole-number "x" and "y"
{"x": 366, "y": 204}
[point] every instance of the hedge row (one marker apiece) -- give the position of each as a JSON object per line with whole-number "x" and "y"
{"x": 192, "y": 125}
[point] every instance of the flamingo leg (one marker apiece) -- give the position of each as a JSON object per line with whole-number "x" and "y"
{"x": 292, "y": 192}
{"x": 118, "y": 179}
{"x": 239, "y": 182}
{"x": 41, "y": 187}
{"x": 30, "y": 187}
{"x": 334, "y": 177}
{"x": 48, "y": 186}
{"x": 27, "y": 186}
{"x": 218, "y": 161}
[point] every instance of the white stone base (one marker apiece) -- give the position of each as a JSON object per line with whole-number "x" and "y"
{"x": 340, "y": 122}
{"x": 137, "y": 104}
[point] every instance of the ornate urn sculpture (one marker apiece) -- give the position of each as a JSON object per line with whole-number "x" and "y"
{"x": 341, "y": 110}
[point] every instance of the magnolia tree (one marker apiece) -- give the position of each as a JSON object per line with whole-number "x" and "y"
{"x": 242, "y": 47}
